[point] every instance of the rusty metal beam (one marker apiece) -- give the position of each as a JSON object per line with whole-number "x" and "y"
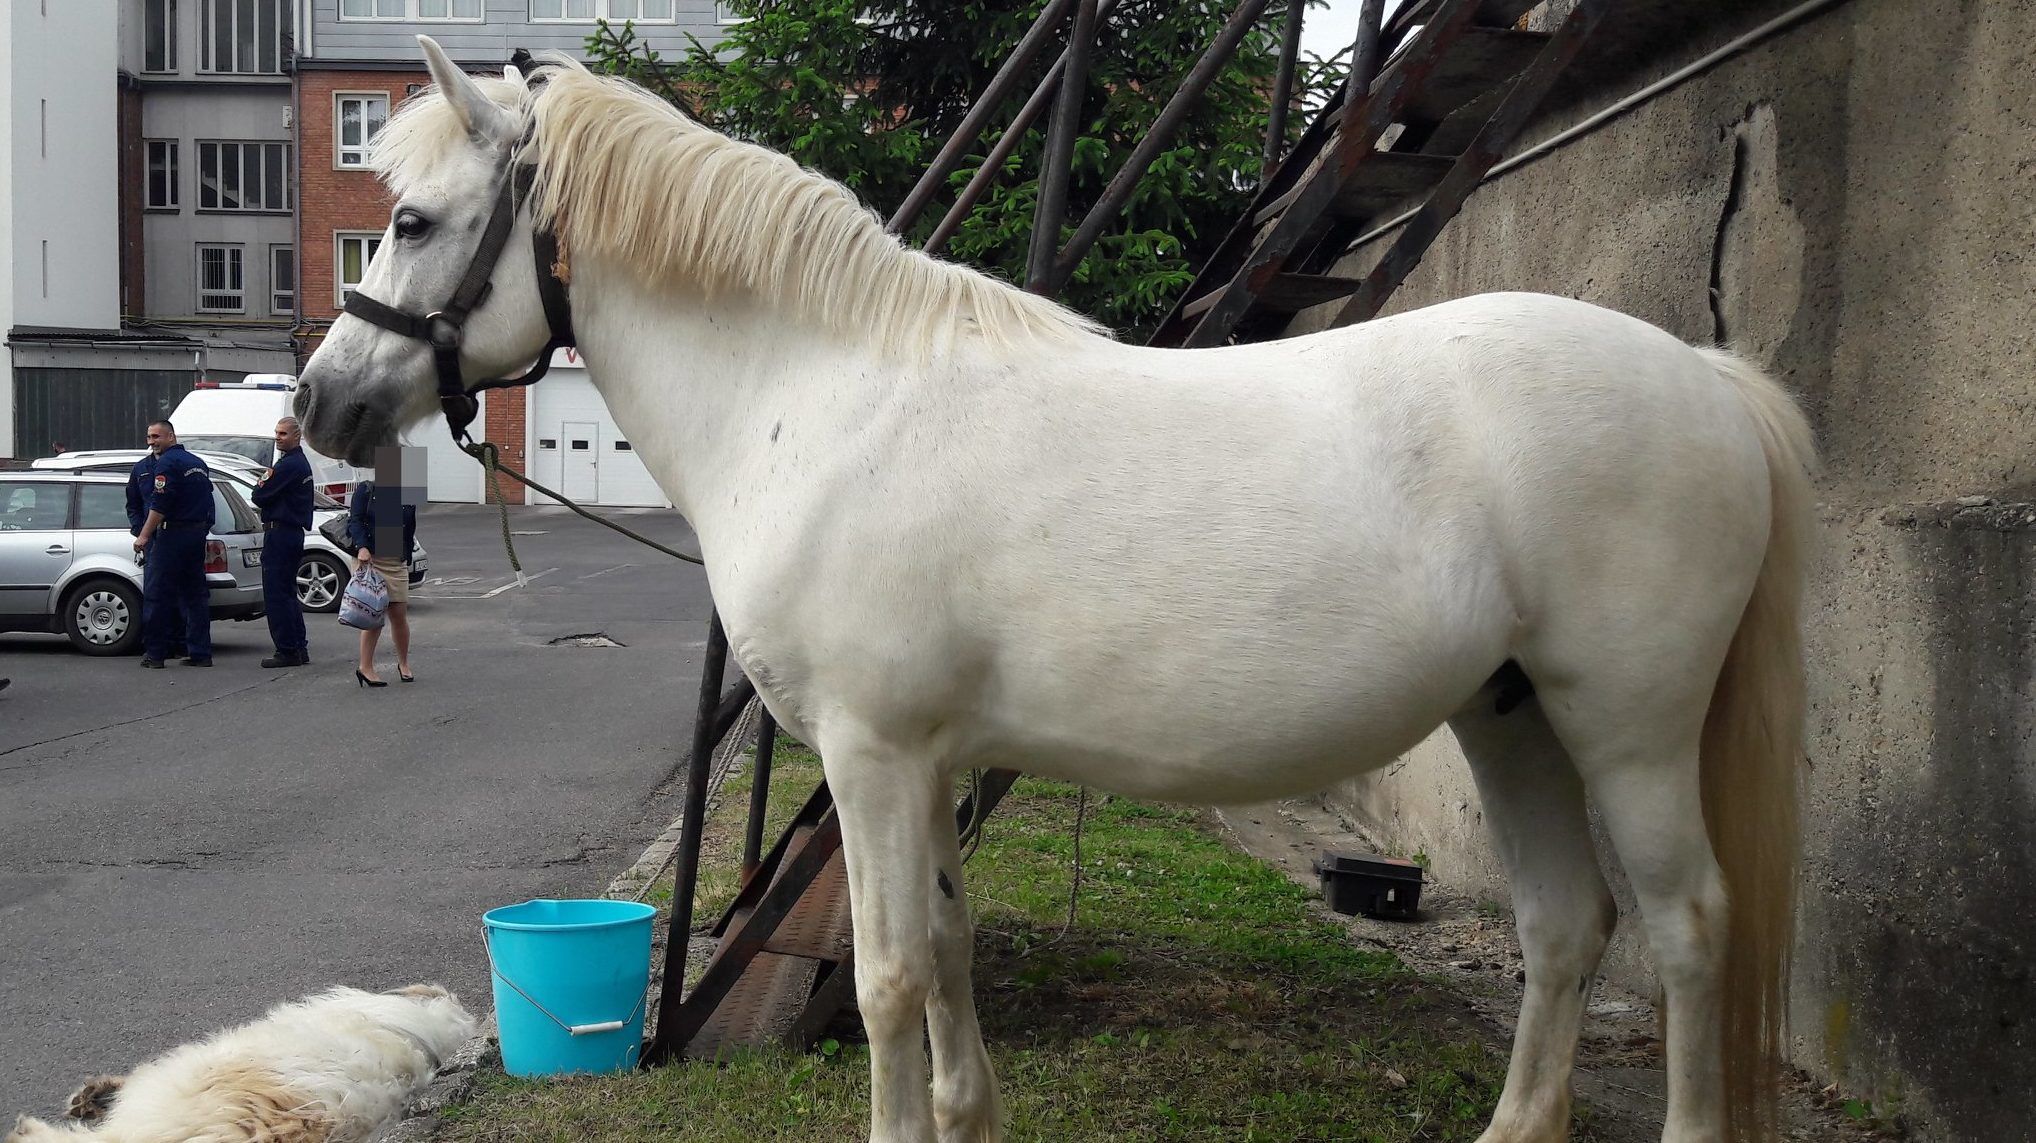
{"x": 679, "y": 1022}
{"x": 978, "y": 116}
{"x": 1060, "y": 148}
{"x": 1361, "y": 125}
{"x": 1364, "y": 51}
{"x": 1008, "y": 142}
{"x": 1484, "y": 151}
{"x": 759, "y": 792}
{"x": 1283, "y": 89}
{"x": 693, "y": 819}
{"x": 1106, "y": 209}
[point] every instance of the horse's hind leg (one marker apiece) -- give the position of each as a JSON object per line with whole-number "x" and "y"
{"x": 965, "y": 1105}
{"x": 1533, "y": 802}
{"x": 1635, "y": 736}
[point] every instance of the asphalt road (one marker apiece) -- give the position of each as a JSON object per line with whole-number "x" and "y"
{"x": 180, "y": 849}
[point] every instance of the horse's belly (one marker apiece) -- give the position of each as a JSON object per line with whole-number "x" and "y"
{"x": 1234, "y": 728}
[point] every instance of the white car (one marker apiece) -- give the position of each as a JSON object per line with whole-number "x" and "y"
{"x": 325, "y": 567}
{"x": 240, "y": 417}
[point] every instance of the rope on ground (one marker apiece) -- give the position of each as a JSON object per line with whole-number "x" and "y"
{"x": 490, "y": 457}
{"x": 1074, "y": 889}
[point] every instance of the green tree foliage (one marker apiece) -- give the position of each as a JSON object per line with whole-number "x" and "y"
{"x": 867, "y": 92}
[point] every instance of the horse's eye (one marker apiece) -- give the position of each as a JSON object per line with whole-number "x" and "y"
{"x": 410, "y": 224}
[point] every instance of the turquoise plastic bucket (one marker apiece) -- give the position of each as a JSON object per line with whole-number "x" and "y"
{"x": 570, "y": 978}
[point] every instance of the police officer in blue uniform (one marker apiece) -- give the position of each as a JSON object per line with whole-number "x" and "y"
{"x": 180, "y": 514}
{"x": 140, "y": 486}
{"x": 284, "y": 499}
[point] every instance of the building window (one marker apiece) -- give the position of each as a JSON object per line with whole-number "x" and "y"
{"x": 354, "y": 253}
{"x": 244, "y": 176}
{"x": 587, "y": 11}
{"x": 159, "y": 36}
{"x": 162, "y": 174}
{"x": 449, "y": 10}
{"x": 221, "y": 279}
{"x": 243, "y": 37}
{"x": 282, "y": 280}
{"x": 360, "y": 120}
{"x": 725, "y": 13}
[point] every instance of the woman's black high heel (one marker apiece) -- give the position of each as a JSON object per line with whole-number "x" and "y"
{"x": 406, "y": 678}
{"x": 365, "y": 681}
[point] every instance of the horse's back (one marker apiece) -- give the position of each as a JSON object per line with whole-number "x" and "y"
{"x": 1168, "y": 570}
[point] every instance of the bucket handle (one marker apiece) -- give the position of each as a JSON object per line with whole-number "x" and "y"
{"x": 570, "y": 1029}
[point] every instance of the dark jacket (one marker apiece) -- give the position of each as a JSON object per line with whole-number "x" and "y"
{"x": 364, "y": 517}
{"x": 181, "y": 489}
{"x": 284, "y": 495}
{"x": 140, "y": 486}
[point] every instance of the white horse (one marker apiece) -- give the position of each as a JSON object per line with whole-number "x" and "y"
{"x": 949, "y": 524}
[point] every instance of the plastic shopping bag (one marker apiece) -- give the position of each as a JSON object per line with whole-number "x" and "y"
{"x": 366, "y": 600}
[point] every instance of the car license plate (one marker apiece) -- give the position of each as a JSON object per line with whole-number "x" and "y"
{"x": 251, "y": 558}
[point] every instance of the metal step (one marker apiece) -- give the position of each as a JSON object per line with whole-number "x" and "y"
{"x": 768, "y": 1003}
{"x": 1287, "y": 294}
{"x": 1384, "y": 180}
{"x": 1481, "y": 59}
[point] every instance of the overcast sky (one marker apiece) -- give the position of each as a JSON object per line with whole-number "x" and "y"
{"x": 1328, "y": 30}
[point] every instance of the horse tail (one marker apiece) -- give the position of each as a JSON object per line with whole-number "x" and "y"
{"x": 1752, "y": 751}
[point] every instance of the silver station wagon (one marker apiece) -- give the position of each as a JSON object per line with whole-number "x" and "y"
{"x": 325, "y": 567}
{"x": 67, "y": 559}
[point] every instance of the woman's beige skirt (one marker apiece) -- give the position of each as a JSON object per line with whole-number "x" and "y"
{"x": 397, "y": 573}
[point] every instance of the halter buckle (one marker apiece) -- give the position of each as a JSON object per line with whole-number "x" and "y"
{"x": 443, "y": 332}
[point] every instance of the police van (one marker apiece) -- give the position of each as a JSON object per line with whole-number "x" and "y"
{"x": 240, "y": 417}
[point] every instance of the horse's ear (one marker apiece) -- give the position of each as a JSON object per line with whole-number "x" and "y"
{"x": 485, "y": 120}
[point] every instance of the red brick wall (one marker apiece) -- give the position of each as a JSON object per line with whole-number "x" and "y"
{"x": 331, "y": 199}
{"x": 504, "y": 421}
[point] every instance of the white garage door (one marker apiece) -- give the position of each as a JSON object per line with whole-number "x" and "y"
{"x": 576, "y": 448}
{"x": 453, "y": 476}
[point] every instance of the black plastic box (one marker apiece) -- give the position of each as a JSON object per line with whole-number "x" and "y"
{"x": 1370, "y": 884}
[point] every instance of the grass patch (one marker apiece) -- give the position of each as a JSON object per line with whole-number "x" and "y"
{"x": 1196, "y": 996}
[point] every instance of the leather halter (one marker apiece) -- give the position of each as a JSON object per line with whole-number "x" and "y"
{"x": 445, "y": 328}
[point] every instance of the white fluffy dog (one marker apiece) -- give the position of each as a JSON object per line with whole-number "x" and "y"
{"x": 331, "y": 1068}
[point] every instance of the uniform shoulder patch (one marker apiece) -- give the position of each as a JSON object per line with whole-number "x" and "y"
{"x": 162, "y": 482}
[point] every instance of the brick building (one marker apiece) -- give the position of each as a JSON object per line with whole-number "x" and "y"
{"x": 355, "y": 63}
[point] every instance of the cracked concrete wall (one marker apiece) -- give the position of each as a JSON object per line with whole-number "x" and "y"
{"x": 1854, "y": 204}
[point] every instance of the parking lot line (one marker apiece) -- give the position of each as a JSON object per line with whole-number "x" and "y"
{"x": 512, "y": 583}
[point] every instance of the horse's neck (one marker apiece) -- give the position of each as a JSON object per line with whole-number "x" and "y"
{"x": 719, "y": 397}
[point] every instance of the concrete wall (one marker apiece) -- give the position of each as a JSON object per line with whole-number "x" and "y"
{"x": 59, "y": 248}
{"x": 240, "y": 112}
{"x": 63, "y": 154}
{"x": 1854, "y": 203}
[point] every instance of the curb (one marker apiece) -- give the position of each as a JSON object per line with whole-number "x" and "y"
{"x": 457, "y": 1078}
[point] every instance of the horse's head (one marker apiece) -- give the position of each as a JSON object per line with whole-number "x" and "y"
{"x": 447, "y": 155}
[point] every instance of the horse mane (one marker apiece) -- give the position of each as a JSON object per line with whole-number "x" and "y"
{"x": 623, "y": 175}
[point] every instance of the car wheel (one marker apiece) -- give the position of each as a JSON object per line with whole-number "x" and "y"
{"x": 320, "y": 577}
{"x": 103, "y": 617}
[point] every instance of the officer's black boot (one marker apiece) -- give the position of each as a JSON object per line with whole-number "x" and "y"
{"x": 284, "y": 659}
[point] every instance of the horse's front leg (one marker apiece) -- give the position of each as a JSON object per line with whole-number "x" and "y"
{"x": 965, "y": 1104}
{"x": 885, "y": 803}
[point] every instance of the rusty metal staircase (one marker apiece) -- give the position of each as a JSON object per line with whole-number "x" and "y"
{"x": 1459, "y": 81}
{"x": 1403, "y": 145}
